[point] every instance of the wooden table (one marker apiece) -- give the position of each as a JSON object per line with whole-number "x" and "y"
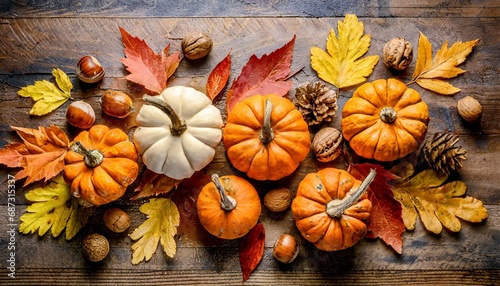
{"x": 37, "y": 36}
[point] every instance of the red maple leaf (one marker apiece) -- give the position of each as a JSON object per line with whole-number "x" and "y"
{"x": 263, "y": 75}
{"x": 386, "y": 221}
{"x": 218, "y": 77}
{"x": 147, "y": 68}
{"x": 251, "y": 250}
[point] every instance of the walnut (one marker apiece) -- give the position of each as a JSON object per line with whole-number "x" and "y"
{"x": 398, "y": 54}
{"x": 196, "y": 46}
{"x": 469, "y": 109}
{"x": 326, "y": 144}
{"x": 278, "y": 200}
{"x": 117, "y": 220}
{"x": 316, "y": 102}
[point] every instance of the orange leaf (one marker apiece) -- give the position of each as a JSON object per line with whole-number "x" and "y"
{"x": 251, "y": 250}
{"x": 153, "y": 184}
{"x": 147, "y": 68}
{"x": 263, "y": 75}
{"x": 218, "y": 77}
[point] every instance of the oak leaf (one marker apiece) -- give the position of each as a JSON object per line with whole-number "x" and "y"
{"x": 251, "y": 250}
{"x": 429, "y": 73}
{"x": 41, "y": 154}
{"x": 48, "y": 96}
{"x": 340, "y": 64}
{"x": 53, "y": 208}
{"x": 438, "y": 205}
{"x": 153, "y": 184}
{"x": 160, "y": 226}
{"x": 147, "y": 68}
{"x": 263, "y": 75}
{"x": 218, "y": 77}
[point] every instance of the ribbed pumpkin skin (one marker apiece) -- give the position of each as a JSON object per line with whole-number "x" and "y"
{"x": 315, "y": 191}
{"x": 229, "y": 224}
{"x": 276, "y": 159}
{"x": 369, "y": 136}
{"x": 108, "y": 181}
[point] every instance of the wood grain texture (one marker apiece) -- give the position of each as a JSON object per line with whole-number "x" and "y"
{"x": 36, "y": 39}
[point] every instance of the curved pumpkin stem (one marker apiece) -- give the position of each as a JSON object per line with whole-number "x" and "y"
{"x": 91, "y": 158}
{"x": 335, "y": 208}
{"x": 388, "y": 114}
{"x": 178, "y": 125}
{"x": 267, "y": 133}
{"x": 227, "y": 202}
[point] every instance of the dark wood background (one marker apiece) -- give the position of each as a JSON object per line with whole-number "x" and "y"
{"x": 39, "y": 35}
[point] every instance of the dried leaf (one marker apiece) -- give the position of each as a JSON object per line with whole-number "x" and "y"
{"x": 218, "y": 77}
{"x": 41, "y": 155}
{"x": 385, "y": 221}
{"x": 147, "y": 68}
{"x": 438, "y": 205}
{"x": 263, "y": 75}
{"x": 251, "y": 250}
{"x": 429, "y": 73}
{"x": 48, "y": 96}
{"x": 153, "y": 184}
{"x": 53, "y": 208}
{"x": 160, "y": 226}
{"x": 341, "y": 65}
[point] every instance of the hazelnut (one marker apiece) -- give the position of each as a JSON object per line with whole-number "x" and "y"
{"x": 89, "y": 70}
{"x": 95, "y": 247}
{"x": 196, "y": 46}
{"x": 326, "y": 144}
{"x": 286, "y": 248}
{"x": 117, "y": 220}
{"x": 469, "y": 109}
{"x": 116, "y": 104}
{"x": 398, "y": 53}
{"x": 80, "y": 114}
{"x": 278, "y": 200}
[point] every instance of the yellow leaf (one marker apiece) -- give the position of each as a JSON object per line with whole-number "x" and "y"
{"x": 48, "y": 96}
{"x": 428, "y": 72}
{"x": 52, "y": 209}
{"x": 438, "y": 205}
{"x": 161, "y": 225}
{"x": 340, "y": 64}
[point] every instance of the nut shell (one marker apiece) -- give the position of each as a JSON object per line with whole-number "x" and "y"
{"x": 469, "y": 109}
{"x": 196, "y": 46}
{"x": 285, "y": 248}
{"x": 80, "y": 114}
{"x": 278, "y": 200}
{"x": 398, "y": 54}
{"x": 95, "y": 247}
{"x": 116, "y": 104}
{"x": 117, "y": 220}
{"x": 89, "y": 70}
{"x": 326, "y": 144}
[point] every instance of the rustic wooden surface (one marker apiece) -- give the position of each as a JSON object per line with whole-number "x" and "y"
{"x": 38, "y": 35}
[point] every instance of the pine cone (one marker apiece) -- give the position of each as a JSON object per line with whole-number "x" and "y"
{"x": 441, "y": 155}
{"x": 316, "y": 102}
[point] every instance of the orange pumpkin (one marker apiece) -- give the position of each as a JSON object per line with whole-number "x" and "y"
{"x": 384, "y": 120}
{"x": 266, "y": 137}
{"x": 100, "y": 164}
{"x": 228, "y": 207}
{"x": 331, "y": 208}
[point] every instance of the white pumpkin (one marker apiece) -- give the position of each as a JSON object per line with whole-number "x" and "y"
{"x": 181, "y": 143}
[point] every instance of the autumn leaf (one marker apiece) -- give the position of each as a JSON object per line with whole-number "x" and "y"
{"x": 429, "y": 73}
{"x": 263, "y": 75}
{"x": 386, "y": 222}
{"x": 437, "y": 205}
{"x": 53, "y": 208}
{"x": 218, "y": 77}
{"x": 153, "y": 184}
{"x": 251, "y": 250}
{"x": 160, "y": 226}
{"x": 147, "y": 68}
{"x": 41, "y": 155}
{"x": 340, "y": 64}
{"x": 48, "y": 96}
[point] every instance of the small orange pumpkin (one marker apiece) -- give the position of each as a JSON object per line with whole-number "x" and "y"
{"x": 266, "y": 137}
{"x": 228, "y": 207}
{"x": 331, "y": 208}
{"x": 384, "y": 120}
{"x": 100, "y": 164}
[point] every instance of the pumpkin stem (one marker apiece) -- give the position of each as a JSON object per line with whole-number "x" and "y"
{"x": 267, "y": 133}
{"x": 227, "y": 202}
{"x": 91, "y": 158}
{"x": 335, "y": 208}
{"x": 178, "y": 125}
{"x": 388, "y": 114}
